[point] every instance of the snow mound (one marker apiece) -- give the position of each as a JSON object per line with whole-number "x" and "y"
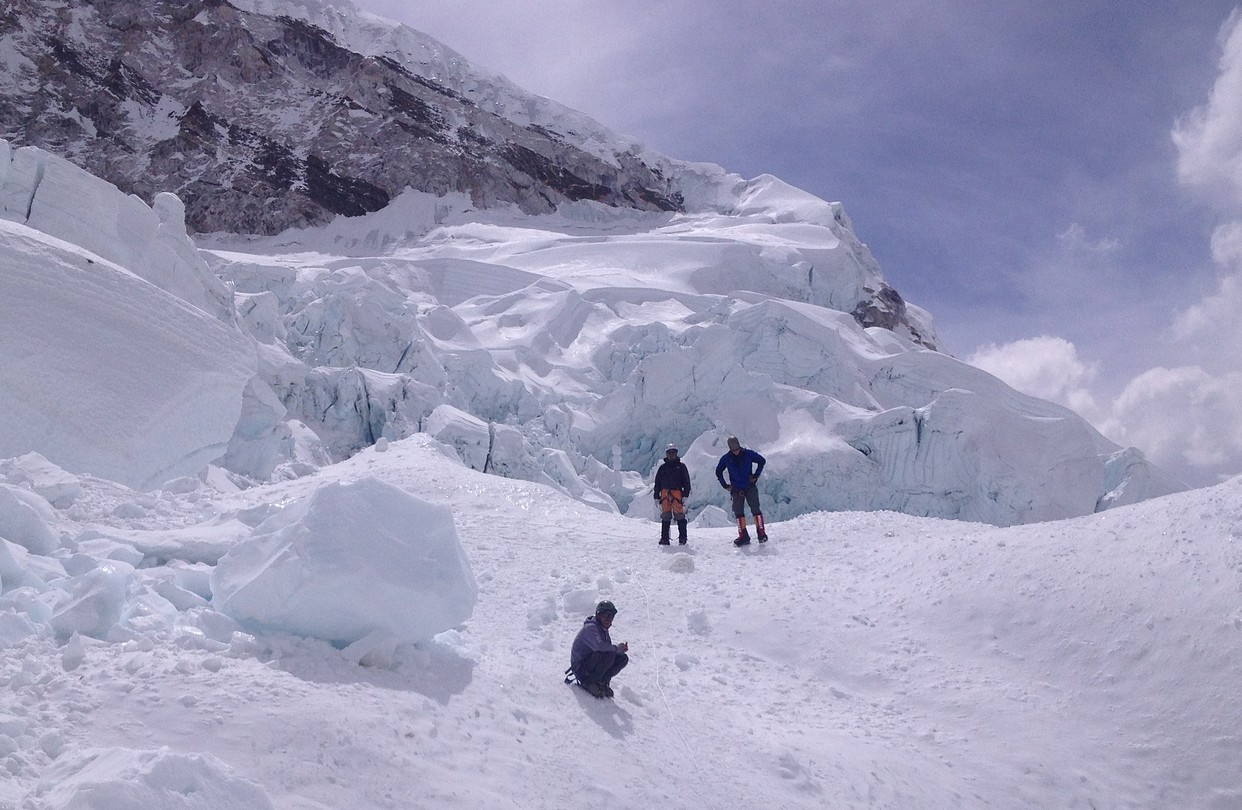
{"x": 350, "y": 561}
{"x": 125, "y": 779}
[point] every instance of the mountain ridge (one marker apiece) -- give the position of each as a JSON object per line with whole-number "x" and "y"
{"x": 264, "y": 122}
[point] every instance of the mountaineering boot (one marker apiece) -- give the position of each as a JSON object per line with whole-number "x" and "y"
{"x": 664, "y": 524}
{"x": 593, "y": 689}
{"x": 681, "y": 532}
{"x": 743, "y": 536}
{"x": 763, "y": 535}
{"x": 606, "y": 688}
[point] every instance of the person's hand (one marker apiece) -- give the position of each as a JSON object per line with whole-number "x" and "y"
{"x": 624, "y": 646}
{"x": 754, "y": 478}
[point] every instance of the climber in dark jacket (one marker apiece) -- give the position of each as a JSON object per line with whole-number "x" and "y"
{"x": 744, "y": 466}
{"x": 672, "y": 487}
{"x": 594, "y": 659}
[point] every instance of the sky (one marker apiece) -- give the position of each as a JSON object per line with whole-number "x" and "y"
{"x": 1054, "y": 182}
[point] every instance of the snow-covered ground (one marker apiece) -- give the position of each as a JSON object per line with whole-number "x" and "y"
{"x": 857, "y": 660}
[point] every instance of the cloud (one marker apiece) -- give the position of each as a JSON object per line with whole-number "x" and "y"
{"x": 1189, "y": 418}
{"x": 1074, "y": 238}
{"x": 1186, "y": 420}
{"x": 1209, "y": 138}
{"x": 1182, "y": 417}
{"x": 1046, "y": 367}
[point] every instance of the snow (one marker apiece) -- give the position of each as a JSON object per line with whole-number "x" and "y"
{"x": 860, "y": 659}
{"x": 311, "y": 521}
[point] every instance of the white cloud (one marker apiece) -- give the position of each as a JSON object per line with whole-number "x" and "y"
{"x": 1075, "y": 238}
{"x": 1209, "y": 138}
{"x": 1187, "y": 420}
{"x": 1182, "y": 416}
{"x": 1046, "y": 367}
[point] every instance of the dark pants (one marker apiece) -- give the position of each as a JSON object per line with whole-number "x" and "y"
{"x": 746, "y": 496}
{"x": 600, "y": 667}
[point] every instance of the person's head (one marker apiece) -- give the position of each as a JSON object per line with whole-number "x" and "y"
{"x": 735, "y": 446}
{"x": 605, "y": 612}
{"x": 670, "y": 452}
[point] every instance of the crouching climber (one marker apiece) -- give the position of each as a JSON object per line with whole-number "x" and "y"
{"x": 594, "y": 659}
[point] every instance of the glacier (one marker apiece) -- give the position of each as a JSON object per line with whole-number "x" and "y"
{"x": 565, "y": 349}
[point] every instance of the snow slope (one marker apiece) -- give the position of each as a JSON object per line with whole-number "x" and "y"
{"x": 858, "y": 660}
{"x": 120, "y": 353}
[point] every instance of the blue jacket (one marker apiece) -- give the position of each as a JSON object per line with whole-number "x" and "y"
{"x": 591, "y": 638}
{"x": 741, "y": 467}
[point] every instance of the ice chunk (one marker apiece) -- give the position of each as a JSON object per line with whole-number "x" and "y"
{"x": 350, "y": 560}
{"x": 26, "y": 519}
{"x": 32, "y": 470}
{"x": 93, "y": 602}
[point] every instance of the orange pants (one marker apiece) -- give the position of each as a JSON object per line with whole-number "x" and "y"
{"x": 671, "y": 504}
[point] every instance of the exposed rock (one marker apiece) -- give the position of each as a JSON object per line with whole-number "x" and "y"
{"x": 260, "y": 123}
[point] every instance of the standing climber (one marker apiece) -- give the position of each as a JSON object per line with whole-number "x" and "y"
{"x": 672, "y": 487}
{"x": 744, "y": 466}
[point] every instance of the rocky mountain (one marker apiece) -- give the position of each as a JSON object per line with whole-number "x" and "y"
{"x": 265, "y": 121}
{"x": 262, "y": 115}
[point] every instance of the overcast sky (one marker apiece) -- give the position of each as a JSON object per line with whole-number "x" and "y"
{"x": 1055, "y": 181}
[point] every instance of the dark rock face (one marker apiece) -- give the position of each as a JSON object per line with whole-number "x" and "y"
{"x": 262, "y": 123}
{"x": 886, "y": 309}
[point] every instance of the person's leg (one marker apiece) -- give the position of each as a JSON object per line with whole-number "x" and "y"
{"x": 739, "y": 512}
{"x": 678, "y": 514}
{"x": 666, "y": 515}
{"x": 752, "y": 499}
{"x": 618, "y": 664}
{"x": 592, "y": 671}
